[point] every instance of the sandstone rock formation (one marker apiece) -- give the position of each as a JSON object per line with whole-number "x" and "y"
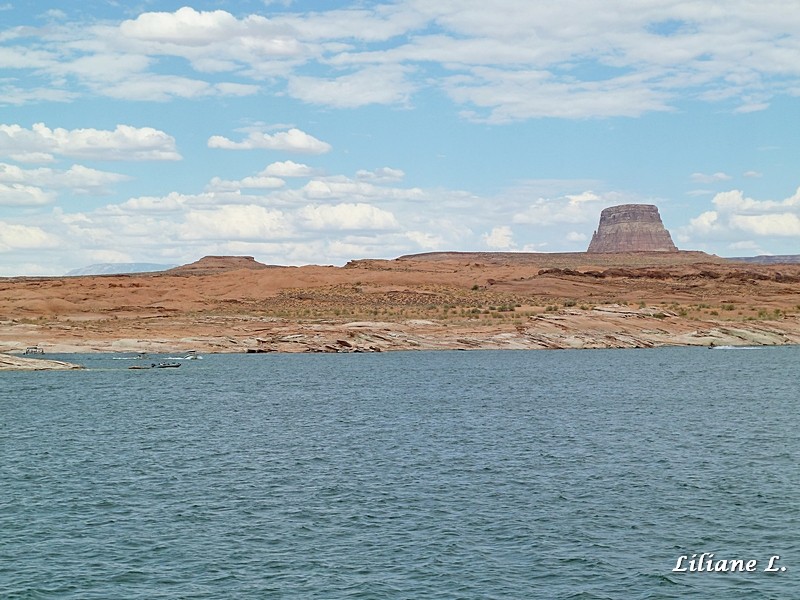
{"x": 631, "y": 228}
{"x": 19, "y": 363}
{"x": 218, "y": 264}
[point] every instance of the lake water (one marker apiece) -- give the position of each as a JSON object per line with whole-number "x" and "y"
{"x": 421, "y": 475}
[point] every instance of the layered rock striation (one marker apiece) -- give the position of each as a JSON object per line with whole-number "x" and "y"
{"x": 631, "y": 228}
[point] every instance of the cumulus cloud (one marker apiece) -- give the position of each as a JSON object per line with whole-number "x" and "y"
{"x": 288, "y": 168}
{"x": 24, "y": 237}
{"x": 232, "y": 222}
{"x": 779, "y": 224}
{"x": 16, "y": 194}
{"x": 293, "y": 140}
{"x": 78, "y": 178}
{"x": 347, "y": 217}
{"x": 736, "y": 215}
{"x": 704, "y": 224}
{"x": 123, "y": 143}
{"x": 499, "y": 238}
{"x": 186, "y": 26}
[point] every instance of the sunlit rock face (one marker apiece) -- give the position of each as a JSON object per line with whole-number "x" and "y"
{"x": 631, "y": 228}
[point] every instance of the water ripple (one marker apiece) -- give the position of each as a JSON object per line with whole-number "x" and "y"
{"x": 422, "y": 475}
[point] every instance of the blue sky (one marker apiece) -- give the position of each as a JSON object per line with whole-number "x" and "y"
{"x": 304, "y": 132}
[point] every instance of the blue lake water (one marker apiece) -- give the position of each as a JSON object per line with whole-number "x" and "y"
{"x": 421, "y": 475}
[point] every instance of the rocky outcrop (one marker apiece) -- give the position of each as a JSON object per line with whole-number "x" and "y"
{"x": 631, "y": 228}
{"x": 209, "y": 265}
{"x": 18, "y": 363}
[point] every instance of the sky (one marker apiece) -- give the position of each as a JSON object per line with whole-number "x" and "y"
{"x": 318, "y": 132}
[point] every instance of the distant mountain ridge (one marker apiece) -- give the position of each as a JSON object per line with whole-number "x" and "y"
{"x": 769, "y": 259}
{"x": 118, "y": 269}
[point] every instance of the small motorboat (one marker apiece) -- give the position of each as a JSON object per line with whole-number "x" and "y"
{"x": 161, "y": 365}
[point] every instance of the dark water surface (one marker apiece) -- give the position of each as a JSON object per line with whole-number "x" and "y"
{"x": 540, "y": 474}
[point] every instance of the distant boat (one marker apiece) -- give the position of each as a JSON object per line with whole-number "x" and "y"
{"x": 161, "y": 365}
{"x": 139, "y": 356}
{"x": 190, "y": 355}
{"x": 34, "y": 350}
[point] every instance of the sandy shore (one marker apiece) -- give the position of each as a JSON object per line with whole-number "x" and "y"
{"x": 425, "y": 302}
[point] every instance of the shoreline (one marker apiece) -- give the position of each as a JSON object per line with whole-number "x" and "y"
{"x": 607, "y": 326}
{"x": 440, "y": 301}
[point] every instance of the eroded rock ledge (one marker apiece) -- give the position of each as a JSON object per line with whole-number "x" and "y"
{"x": 9, "y": 362}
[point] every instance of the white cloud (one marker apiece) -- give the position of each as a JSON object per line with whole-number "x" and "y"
{"x": 252, "y": 183}
{"x": 293, "y": 140}
{"x": 587, "y": 196}
{"x": 24, "y": 237}
{"x": 123, "y": 143}
{"x": 697, "y": 193}
{"x": 347, "y": 217}
{"x": 713, "y": 178}
{"x": 499, "y": 238}
{"x": 576, "y": 236}
{"x": 149, "y": 204}
{"x": 288, "y": 168}
{"x": 705, "y": 224}
{"x": 504, "y": 96}
{"x": 500, "y": 62}
{"x": 236, "y": 89}
{"x": 342, "y": 187}
{"x": 32, "y": 157}
{"x": 575, "y": 208}
{"x": 734, "y": 201}
{"x": 780, "y": 224}
{"x": 247, "y": 222}
{"x": 17, "y": 194}
{"x": 735, "y": 215}
{"x": 426, "y": 240}
{"x": 78, "y": 179}
{"x": 372, "y": 85}
{"x": 381, "y": 175}
{"x": 156, "y": 88}
{"x": 186, "y": 26}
